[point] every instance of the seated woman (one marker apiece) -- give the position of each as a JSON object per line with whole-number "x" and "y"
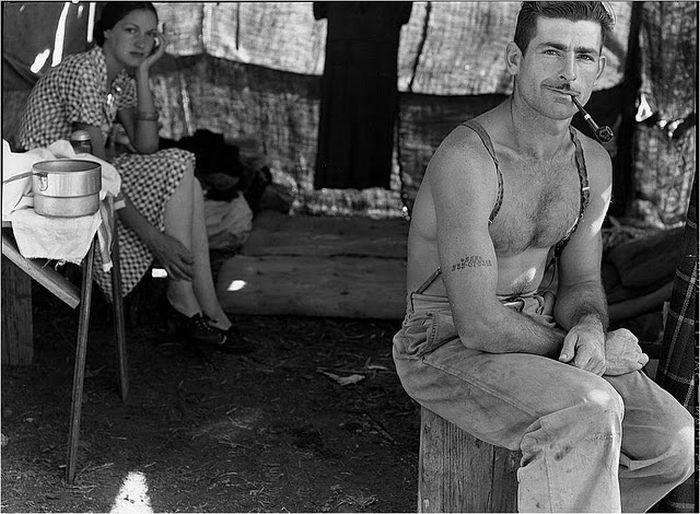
{"x": 163, "y": 217}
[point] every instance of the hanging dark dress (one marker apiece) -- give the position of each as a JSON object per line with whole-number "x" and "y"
{"x": 359, "y": 96}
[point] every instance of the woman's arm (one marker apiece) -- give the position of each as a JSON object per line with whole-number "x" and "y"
{"x": 141, "y": 124}
{"x": 170, "y": 253}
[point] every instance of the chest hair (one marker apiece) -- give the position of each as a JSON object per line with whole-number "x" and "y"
{"x": 540, "y": 205}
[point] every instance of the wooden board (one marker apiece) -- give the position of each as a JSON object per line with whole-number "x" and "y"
{"x": 279, "y": 234}
{"x": 17, "y": 329}
{"x": 43, "y": 273}
{"x": 350, "y": 287}
{"x": 303, "y": 265}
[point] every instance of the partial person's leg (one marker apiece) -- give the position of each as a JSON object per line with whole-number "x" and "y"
{"x": 178, "y": 216}
{"x": 657, "y": 442}
{"x": 203, "y": 282}
{"x": 566, "y": 421}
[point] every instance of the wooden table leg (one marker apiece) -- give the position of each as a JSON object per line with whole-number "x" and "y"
{"x": 119, "y": 325}
{"x": 17, "y": 329}
{"x": 79, "y": 367}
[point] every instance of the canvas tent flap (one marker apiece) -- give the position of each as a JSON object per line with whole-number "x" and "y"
{"x": 252, "y": 70}
{"x": 447, "y": 48}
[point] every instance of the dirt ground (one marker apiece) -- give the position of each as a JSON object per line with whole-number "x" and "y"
{"x": 211, "y": 432}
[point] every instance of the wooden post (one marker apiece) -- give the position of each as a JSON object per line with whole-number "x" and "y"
{"x": 17, "y": 329}
{"x": 459, "y": 473}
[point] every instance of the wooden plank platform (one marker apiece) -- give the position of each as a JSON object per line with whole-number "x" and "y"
{"x": 279, "y": 234}
{"x": 318, "y": 266}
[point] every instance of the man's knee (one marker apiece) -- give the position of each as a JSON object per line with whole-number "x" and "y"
{"x": 599, "y": 401}
{"x": 592, "y": 410}
{"x": 604, "y": 407}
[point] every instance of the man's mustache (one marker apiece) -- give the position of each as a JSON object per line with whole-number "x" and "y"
{"x": 562, "y": 86}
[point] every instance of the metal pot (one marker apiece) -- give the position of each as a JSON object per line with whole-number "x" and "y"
{"x": 66, "y": 188}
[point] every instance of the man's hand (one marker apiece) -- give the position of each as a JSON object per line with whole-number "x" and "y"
{"x": 584, "y": 347}
{"x": 173, "y": 256}
{"x": 623, "y": 353}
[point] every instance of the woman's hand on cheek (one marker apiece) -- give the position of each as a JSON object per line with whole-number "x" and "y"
{"x": 159, "y": 49}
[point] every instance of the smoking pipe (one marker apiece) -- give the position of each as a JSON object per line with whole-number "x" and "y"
{"x": 604, "y": 133}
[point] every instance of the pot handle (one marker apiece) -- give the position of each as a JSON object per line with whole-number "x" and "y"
{"x": 43, "y": 181}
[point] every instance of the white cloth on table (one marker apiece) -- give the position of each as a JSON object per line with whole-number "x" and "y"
{"x": 63, "y": 239}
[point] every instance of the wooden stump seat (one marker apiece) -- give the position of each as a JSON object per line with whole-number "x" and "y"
{"x": 460, "y": 473}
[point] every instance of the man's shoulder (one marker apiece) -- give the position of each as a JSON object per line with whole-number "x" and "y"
{"x": 597, "y": 161}
{"x": 461, "y": 156}
{"x": 464, "y": 141}
{"x": 593, "y": 151}
{"x": 464, "y": 155}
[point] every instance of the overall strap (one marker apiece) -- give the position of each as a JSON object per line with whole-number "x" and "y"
{"x": 486, "y": 140}
{"x": 429, "y": 281}
{"x": 585, "y": 190}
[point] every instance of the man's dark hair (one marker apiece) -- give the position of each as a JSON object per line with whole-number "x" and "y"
{"x": 526, "y": 26}
{"x": 112, "y": 12}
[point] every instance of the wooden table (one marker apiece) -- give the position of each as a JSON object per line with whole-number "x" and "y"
{"x": 17, "y": 333}
{"x": 16, "y": 298}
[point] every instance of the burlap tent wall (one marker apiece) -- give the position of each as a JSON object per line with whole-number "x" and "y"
{"x": 665, "y": 143}
{"x": 251, "y": 70}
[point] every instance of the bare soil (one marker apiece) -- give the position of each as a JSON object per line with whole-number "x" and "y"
{"x": 211, "y": 432}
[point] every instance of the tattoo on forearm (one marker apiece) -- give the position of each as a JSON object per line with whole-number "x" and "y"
{"x": 471, "y": 261}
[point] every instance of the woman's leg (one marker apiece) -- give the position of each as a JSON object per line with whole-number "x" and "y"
{"x": 203, "y": 282}
{"x": 178, "y": 215}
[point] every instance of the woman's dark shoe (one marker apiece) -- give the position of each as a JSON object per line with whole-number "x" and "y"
{"x": 235, "y": 343}
{"x": 195, "y": 328}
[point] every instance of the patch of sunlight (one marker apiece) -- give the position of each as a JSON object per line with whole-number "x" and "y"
{"x": 158, "y": 273}
{"x": 687, "y": 433}
{"x": 39, "y": 61}
{"x": 133, "y": 495}
{"x": 237, "y": 285}
{"x": 644, "y": 110}
{"x": 91, "y": 21}
{"x": 599, "y": 396}
{"x": 60, "y": 36}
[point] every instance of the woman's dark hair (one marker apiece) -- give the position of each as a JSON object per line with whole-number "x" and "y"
{"x": 526, "y": 25}
{"x": 112, "y": 12}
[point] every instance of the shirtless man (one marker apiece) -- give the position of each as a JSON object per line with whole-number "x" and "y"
{"x": 506, "y": 331}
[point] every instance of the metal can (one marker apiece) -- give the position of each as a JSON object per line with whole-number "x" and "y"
{"x": 80, "y": 140}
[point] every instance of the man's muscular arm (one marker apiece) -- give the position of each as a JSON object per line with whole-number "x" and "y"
{"x": 462, "y": 180}
{"x": 581, "y": 306}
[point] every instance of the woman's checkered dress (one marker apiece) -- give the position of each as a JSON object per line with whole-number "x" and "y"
{"x": 76, "y": 92}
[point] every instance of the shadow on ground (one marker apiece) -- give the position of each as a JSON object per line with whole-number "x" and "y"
{"x": 210, "y": 432}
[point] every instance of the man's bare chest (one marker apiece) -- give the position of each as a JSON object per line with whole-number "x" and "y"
{"x": 540, "y": 206}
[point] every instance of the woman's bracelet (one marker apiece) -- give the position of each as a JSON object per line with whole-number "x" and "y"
{"x": 147, "y": 116}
